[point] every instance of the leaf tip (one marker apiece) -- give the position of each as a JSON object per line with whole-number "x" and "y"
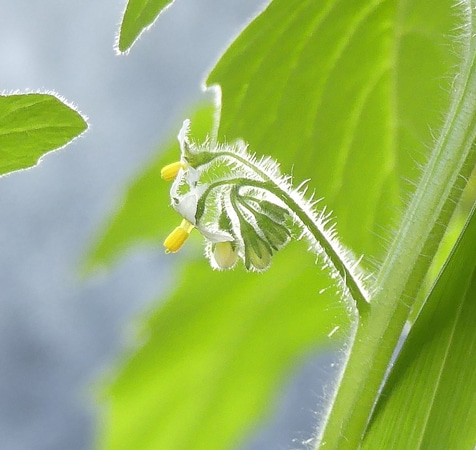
{"x": 138, "y": 16}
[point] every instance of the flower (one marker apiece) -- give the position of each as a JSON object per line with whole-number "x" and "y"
{"x": 213, "y": 190}
{"x": 185, "y": 194}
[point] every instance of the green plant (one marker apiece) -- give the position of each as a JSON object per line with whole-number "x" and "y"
{"x": 374, "y": 102}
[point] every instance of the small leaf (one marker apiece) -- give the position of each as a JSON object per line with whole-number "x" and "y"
{"x": 32, "y": 125}
{"x": 428, "y": 401}
{"x": 216, "y": 351}
{"x": 138, "y": 16}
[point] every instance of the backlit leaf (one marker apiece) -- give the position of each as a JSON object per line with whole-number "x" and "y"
{"x": 215, "y": 352}
{"x": 32, "y": 125}
{"x": 138, "y": 16}
{"x": 345, "y": 94}
{"x": 428, "y": 400}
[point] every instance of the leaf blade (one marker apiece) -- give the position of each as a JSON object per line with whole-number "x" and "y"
{"x": 33, "y": 124}
{"x": 196, "y": 375}
{"x": 433, "y": 378}
{"x": 139, "y": 15}
{"x": 345, "y": 133}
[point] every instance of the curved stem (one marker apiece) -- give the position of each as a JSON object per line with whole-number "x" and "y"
{"x": 332, "y": 249}
{"x": 314, "y": 228}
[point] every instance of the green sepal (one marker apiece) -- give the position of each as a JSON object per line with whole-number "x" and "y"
{"x": 257, "y": 252}
{"x": 198, "y": 159}
{"x": 277, "y": 235}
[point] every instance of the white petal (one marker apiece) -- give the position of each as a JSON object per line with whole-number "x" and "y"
{"x": 186, "y": 206}
{"x": 182, "y": 136}
{"x": 215, "y": 236}
{"x": 192, "y": 176}
{"x": 174, "y": 189}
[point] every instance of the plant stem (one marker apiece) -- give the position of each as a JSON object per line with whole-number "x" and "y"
{"x": 332, "y": 250}
{"x": 335, "y": 254}
{"x": 379, "y": 329}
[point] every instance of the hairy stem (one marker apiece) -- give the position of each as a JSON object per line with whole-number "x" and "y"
{"x": 333, "y": 251}
{"x": 314, "y": 228}
{"x": 398, "y": 283}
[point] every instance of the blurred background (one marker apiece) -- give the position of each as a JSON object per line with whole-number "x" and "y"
{"x": 59, "y": 333}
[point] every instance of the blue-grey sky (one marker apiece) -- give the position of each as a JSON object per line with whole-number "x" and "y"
{"x": 58, "y": 333}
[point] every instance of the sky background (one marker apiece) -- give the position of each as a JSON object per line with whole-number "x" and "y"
{"x": 59, "y": 333}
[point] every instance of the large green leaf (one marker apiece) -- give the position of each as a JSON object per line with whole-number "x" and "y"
{"x": 215, "y": 352}
{"x": 345, "y": 93}
{"x": 429, "y": 400}
{"x": 138, "y": 15}
{"x": 32, "y": 125}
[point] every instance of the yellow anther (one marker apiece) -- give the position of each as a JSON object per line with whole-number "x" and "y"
{"x": 170, "y": 171}
{"x": 175, "y": 240}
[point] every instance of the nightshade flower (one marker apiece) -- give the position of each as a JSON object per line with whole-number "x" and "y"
{"x": 245, "y": 209}
{"x": 185, "y": 193}
{"x": 211, "y": 192}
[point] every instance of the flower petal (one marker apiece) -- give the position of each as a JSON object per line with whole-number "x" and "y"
{"x": 186, "y": 206}
{"x": 182, "y": 136}
{"x": 214, "y": 235}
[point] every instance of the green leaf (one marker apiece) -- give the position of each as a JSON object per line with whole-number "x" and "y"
{"x": 412, "y": 249}
{"x": 32, "y": 125}
{"x": 138, "y": 16}
{"x": 215, "y": 352}
{"x": 429, "y": 396}
{"x": 145, "y": 214}
{"x": 330, "y": 89}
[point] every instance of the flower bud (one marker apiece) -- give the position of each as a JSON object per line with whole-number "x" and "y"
{"x": 225, "y": 254}
{"x": 273, "y": 211}
{"x": 269, "y": 221}
{"x": 257, "y": 254}
{"x": 277, "y": 235}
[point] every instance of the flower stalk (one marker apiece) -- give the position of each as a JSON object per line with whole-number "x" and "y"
{"x": 247, "y": 210}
